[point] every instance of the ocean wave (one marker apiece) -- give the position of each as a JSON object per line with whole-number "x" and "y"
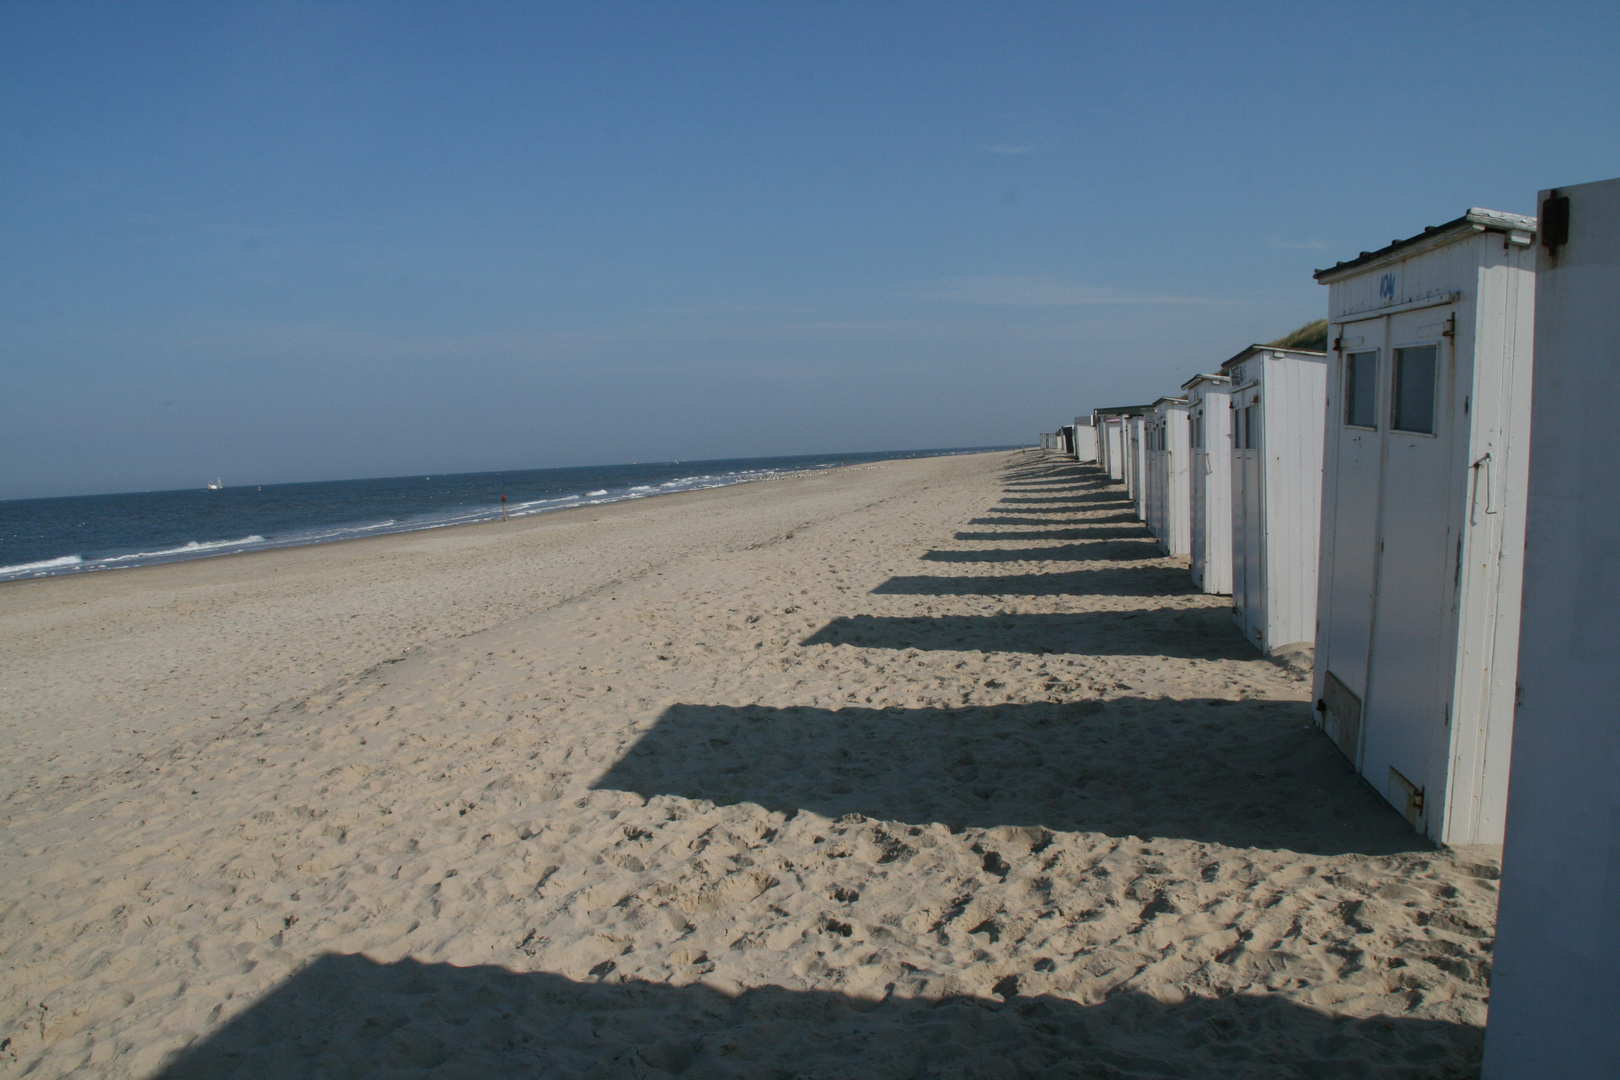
{"x": 188, "y": 548}
{"x": 68, "y": 563}
{"x": 96, "y": 553}
{"x": 535, "y": 506}
{"x": 42, "y": 566}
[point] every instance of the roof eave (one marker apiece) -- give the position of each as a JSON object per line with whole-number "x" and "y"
{"x": 1123, "y": 410}
{"x": 1476, "y": 220}
{"x": 1255, "y": 350}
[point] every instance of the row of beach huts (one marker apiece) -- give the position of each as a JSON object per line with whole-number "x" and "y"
{"x": 1432, "y": 505}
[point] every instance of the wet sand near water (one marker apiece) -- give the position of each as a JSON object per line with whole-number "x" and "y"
{"x": 938, "y": 769}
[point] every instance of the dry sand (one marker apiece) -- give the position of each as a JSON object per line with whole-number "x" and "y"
{"x": 934, "y": 769}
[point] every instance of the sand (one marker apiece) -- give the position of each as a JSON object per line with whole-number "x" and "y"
{"x": 930, "y": 769}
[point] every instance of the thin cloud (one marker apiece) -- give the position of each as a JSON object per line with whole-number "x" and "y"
{"x": 735, "y": 308}
{"x": 335, "y": 344}
{"x": 1014, "y": 291}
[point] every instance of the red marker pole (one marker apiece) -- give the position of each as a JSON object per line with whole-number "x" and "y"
{"x": 503, "y": 507}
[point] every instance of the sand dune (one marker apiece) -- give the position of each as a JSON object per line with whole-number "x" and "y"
{"x": 773, "y": 781}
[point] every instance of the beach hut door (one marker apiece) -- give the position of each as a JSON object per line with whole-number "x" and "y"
{"x": 1387, "y": 657}
{"x": 1411, "y": 662}
{"x": 1198, "y": 464}
{"x": 1248, "y": 515}
{"x": 1355, "y": 433}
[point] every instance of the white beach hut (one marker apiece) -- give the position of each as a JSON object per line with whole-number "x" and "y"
{"x": 1209, "y": 481}
{"x": 1111, "y": 446}
{"x": 1127, "y": 463}
{"x": 1085, "y": 439}
{"x": 1136, "y": 464}
{"x": 1423, "y": 516}
{"x": 1167, "y": 454}
{"x": 1110, "y": 442}
{"x": 1275, "y": 402}
{"x": 1113, "y": 437}
{"x": 1151, "y": 481}
{"x": 1555, "y": 999}
{"x": 1125, "y": 457}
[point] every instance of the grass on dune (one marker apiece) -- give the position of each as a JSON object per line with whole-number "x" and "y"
{"x": 1313, "y": 336}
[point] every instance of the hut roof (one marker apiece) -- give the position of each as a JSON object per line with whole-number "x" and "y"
{"x": 1123, "y": 410}
{"x": 1255, "y": 350}
{"x": 1476, "y": 219}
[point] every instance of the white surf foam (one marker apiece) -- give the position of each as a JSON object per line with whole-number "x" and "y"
{"x": 450, "y": 517}
{"x": 43, "y": 566}
{"x": 189, "y": 548}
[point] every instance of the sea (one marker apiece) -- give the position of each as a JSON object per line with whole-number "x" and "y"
{"x": 83, "y": 534}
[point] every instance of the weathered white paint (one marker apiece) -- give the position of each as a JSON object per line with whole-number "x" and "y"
{"x": 1085, "y": 439}
{"x": 1152, "y": 479}
{"x": 1165, "y": 429}
{"x": 1422, "y": 533}
{"x": 1555, "y": 996}
{"x": 1125, "y": 457}
{"x": 1111, "y": 447}
{"x": 1136, "y": 466}
{"x": 1113, "y": 439}
{"x": 1275, "y": 409}
{"x": 1209, "y": 481}
{"x": 1129, "y": 459}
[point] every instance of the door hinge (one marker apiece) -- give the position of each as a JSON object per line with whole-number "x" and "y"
{"x": 1407, "y": 797}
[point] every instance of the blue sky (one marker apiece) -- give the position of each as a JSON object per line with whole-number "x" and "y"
{"x": 293, "y": 242}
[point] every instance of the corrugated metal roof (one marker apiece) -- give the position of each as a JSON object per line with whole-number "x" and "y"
{"x": 1476, "y": 219}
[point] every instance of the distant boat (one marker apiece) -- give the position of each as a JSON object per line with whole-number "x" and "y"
{"x": 216, "y": 485}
